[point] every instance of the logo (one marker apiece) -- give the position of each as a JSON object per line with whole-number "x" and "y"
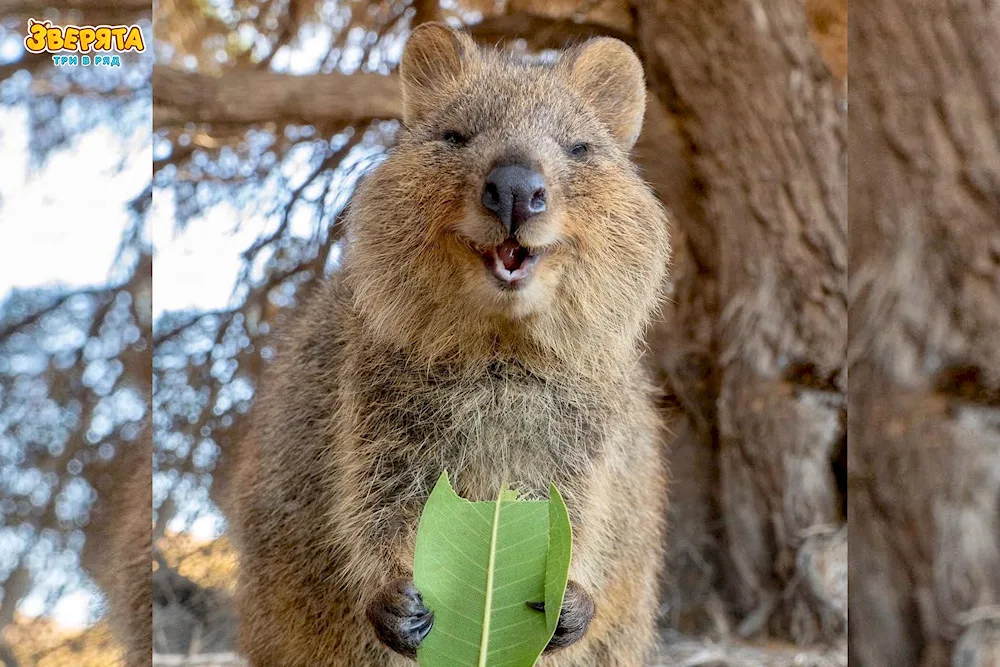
{"x": 98, "y": 45}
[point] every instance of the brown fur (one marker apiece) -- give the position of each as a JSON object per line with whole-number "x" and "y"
{"x": 412, "y": 361}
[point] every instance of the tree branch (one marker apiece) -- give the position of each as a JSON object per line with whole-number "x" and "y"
{"x": 179, "y": 328}
{"x": 542, "y": 32}
{"x": 29, "y": 320}
{"x": 103, "y": 7}
{"x": 248, "y": 97}
{"x": 32, "y": 62}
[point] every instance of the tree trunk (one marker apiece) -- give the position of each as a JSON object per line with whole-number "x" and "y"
{"x": 925, "y": 333}
{"x": 753, "y": 345}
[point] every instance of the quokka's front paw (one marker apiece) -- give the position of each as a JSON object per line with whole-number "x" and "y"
{"x": 400, "y": 618}
{"x": 577, "y": 611}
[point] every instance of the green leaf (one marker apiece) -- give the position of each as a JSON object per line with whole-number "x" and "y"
{"x": 478, "y": 565}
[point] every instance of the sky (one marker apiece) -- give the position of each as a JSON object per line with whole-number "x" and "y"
{"x": 196, "y": 268}
{"x": 73, "y": 207}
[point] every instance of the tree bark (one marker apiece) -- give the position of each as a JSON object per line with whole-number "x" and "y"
{"x": 753, "y": 346}
{"x": 925, "y": 333}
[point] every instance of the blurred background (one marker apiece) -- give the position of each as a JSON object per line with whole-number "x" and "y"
{"x": 924, "y": 485}
{"x": 267, "y": 112}
{"x": 75, "y": 323}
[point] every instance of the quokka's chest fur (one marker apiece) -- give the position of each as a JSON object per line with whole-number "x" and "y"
{"x": 498, "y": 423}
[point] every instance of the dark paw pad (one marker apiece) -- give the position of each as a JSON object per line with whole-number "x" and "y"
{"x": 400, "y": 619}
{"x": 577, "y": 611}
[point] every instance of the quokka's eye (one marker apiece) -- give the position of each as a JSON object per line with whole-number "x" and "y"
{"x": 579, "y": 150}
{"x": 454, "y": 138}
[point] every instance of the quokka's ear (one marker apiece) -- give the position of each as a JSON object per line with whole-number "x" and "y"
{"x": 431, "y": 65}
{"x": 608, "y": 74}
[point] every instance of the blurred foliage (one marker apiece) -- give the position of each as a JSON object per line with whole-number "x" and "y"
{"x": 287, "y": 183}
{"x": 73, "y": 388}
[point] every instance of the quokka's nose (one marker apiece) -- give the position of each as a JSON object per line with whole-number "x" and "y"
{"x": 514, "y": 194}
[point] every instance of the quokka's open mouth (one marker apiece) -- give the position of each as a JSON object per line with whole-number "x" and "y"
{"x": 510, "y": 262}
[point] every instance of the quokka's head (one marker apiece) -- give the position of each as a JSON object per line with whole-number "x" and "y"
{"x": 510, "y": 201}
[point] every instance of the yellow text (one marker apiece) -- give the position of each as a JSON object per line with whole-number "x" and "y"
{"x": 43, "y": 37}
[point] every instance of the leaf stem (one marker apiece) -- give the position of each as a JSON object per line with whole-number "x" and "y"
{"x": 488, "y": 607}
